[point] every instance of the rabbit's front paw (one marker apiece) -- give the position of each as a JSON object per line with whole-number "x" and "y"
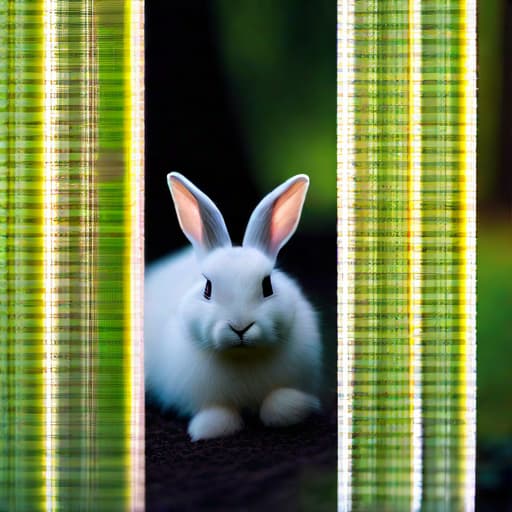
{"x": 215, "y": 421}
{"x": 286, "y": 406}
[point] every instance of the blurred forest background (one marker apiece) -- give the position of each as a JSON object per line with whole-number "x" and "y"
{"x": 494, "y": 256}
{"x": 241, "y": 95}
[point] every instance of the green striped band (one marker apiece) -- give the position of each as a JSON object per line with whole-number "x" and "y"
{"x": 406, "y": 209}
{"x": 71, "y": 262}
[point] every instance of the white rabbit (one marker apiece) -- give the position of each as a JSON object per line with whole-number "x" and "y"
{"x": 226, "y": 332}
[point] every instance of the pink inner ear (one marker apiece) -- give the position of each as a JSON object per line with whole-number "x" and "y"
{"x": 188, "y": 211}
{"x": 286, "y": 213}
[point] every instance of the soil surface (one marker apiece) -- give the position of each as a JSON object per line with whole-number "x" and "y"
{"x": 257, "y": 469}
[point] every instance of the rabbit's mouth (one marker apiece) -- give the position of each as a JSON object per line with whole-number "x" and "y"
{"x": 229, "y": 335}
{"x": 242, "y": 344}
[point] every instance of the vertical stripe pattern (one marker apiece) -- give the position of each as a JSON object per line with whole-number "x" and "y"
{"x": 346, "y": 177}
{"x": 406, "y": 246}
{"x": 71, "y": 260}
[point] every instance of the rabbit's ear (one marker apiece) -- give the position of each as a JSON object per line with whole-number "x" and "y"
{"x": 275, "y": 219}
{"x": 199, "y": 218}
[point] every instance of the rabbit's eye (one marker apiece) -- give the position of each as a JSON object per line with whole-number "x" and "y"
{"x": 267, "y": 287}
{"x": 208, "y": 290}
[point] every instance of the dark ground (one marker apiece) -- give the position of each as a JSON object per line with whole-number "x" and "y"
{"x": 274, "y": 469}
{"x": 259, "y": 469}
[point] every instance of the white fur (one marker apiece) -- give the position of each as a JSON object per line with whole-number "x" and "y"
{"x": 284, "y": 407}
{"x": 214, "y": 422}
{"x": 193, "y": 361}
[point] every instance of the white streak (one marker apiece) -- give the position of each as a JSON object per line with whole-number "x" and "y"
{"x": 468, "y": 295}
{"x": 346, "y": 221}
{"x": 415, "y": 251}
{"x": 135, "y": 267}
{"x": 50, "y": 273}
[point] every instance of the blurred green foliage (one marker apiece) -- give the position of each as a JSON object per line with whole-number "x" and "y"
{"x": 494, "y": 263}
{"x": 280, "y": 58}
{"x": 494, "y": 329}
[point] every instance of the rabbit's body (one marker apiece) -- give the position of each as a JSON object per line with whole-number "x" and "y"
{"x": 182, "y": 375}
{"x": 225, "y": 332}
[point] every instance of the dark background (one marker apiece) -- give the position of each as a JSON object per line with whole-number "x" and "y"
{"x": 234, "y": 128}
{"x": 239, "y": 97}
{"x": 494, "y": 256}
{"x": 191, "y": 123}
{"x": 242, "y": 95}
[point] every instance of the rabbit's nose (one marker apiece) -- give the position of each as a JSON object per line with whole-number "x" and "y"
{"x": 241, "y": 332}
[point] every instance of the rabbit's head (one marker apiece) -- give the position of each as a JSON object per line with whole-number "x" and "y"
{"x": 242, "y": 305}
